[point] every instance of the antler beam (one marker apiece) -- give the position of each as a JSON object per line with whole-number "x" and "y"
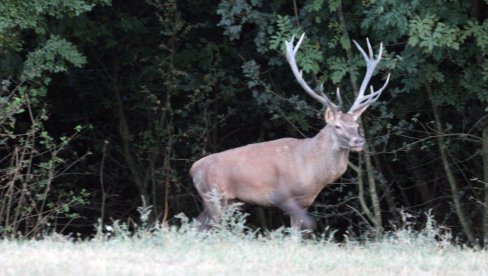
{"x": 291, "y": 51}
{"x": 363, "y": 101}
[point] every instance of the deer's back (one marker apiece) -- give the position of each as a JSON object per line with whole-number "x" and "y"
{"x": 255, "y": 173}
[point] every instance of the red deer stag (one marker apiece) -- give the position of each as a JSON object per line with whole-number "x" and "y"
{"x": 288, "y": 173}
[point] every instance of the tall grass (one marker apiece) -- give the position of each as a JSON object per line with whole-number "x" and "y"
{"x": 234, "y": 249}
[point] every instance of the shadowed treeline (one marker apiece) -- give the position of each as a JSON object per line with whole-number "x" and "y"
{"x": 105, "y": 105}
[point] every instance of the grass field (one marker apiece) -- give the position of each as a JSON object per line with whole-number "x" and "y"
{"x": 225, "y": 253}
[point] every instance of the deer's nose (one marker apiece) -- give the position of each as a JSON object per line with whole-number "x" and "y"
{"x": 357, "y": 142}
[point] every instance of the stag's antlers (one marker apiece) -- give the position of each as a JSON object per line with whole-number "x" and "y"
{"x": 362, "y": 101}
{"x": 291, "y": 51}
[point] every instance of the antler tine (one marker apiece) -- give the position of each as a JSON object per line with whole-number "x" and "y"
{"x": 295, "y": 50}
{"x": 291, "y": 51}
{"x": 339, "y": 98}
{"x": 371, "y": 63}
{"x": 370, "y": 49}
{"x": 380, "y": 52}
{"x": 370, "y": 98}
{"x": 338, "y": 95}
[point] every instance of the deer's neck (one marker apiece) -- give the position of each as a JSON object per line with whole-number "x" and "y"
{"x": 329, "y": 159}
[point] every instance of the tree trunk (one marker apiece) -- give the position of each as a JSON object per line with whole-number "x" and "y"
{"x": 376, "y": 214}
{"x": 485, "y": 181}
{"x": 478, "y": 11}
{"x": 125, "y": 138}
{"x": 451, "y": 179}
{"x": 386, "y": 189}
{"x": 421, "y": 182}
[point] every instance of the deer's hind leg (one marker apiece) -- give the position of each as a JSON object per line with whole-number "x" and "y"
{"x": 203, "y": 220}
{"x": 208, "y": 214}
{"x": 214, "y": 205}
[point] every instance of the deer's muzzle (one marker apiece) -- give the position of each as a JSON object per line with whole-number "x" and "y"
{"x": 356, "y": 144}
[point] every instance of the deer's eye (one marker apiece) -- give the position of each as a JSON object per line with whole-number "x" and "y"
{"x": 337, "y": 126}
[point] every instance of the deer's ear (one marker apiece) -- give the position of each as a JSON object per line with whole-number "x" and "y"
{"x": 358, "y": 112}
{"x": 330, "y": 115}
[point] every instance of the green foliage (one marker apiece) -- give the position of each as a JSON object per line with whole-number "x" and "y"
{"x": 389, "y": 18}
{"x": 429, "y": 33}
{"x": 334, "y": 5}
{"x": 49, "y": 51}
{"x": 30, "y": 15}
{"x": 284, "y": 32}
{"x": 235, "y": 13}
{"x": 251, "y": 71}
{"x": 480, "y": 33}
{"x": 52, "y": 57}
{"x": 311, "y": 59}
{"x": 339, "y": 71}
{"x": 314, "y": 5}
{"x": 309, "y": 56}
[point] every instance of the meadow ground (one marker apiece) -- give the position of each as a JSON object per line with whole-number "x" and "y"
{"x": 226, "y": 253}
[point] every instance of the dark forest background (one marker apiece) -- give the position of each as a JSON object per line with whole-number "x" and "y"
{"x": 104, "y": 106}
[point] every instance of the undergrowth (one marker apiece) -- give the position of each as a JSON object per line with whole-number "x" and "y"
{"x": 231, "y": 247}
{"x": 232, "y": 226}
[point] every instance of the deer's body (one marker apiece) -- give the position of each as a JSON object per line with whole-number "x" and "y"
{"x": 286, "y": 173}
{"x": 267, "y": 173}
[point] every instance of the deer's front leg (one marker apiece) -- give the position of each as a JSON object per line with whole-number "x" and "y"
{"x": 300, "y": 220}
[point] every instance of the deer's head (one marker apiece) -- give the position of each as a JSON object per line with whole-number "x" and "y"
{"x": 344, "y": 125}
{"x": 345, "y": 130}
